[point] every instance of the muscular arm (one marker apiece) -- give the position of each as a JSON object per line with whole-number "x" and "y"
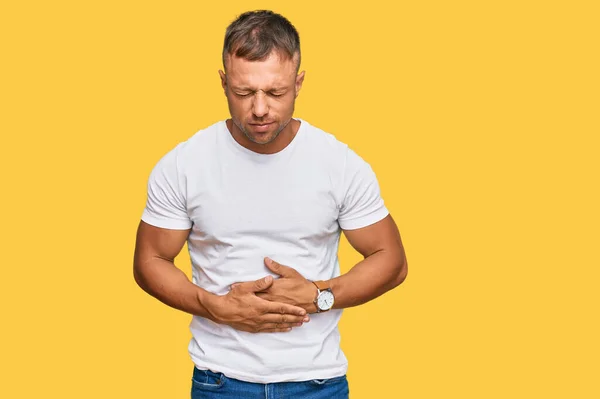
{"x": 155, "y": 272}
{"x": 383, "y": 268}
{"x": 384, "y": 265}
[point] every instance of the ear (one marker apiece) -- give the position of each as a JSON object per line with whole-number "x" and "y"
{"x": 299, "y": 81}
{"x": 223, "y": 80}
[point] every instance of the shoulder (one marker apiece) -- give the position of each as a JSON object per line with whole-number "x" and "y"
{"x": 186, "y": 154}
{"x": 200, "y": 143}
{"x": 323, "y": 142}
{"x": 328, "y": 146}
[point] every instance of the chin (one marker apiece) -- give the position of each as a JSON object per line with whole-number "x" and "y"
{"x": 262, "y": 138}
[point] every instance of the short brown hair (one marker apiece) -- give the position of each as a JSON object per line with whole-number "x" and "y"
{"x": 255, "y": 34}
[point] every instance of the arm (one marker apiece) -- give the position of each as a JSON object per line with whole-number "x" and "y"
{"x": 155, "y": 272}
{"x": 370, "y": 230}
{"x": 384, "y": 267}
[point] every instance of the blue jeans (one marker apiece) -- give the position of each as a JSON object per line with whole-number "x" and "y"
{"x": 207, "y": 384}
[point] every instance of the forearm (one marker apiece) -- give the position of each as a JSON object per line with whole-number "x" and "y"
{"x": 370, "y": 278}
{"x": 164, "y": 281}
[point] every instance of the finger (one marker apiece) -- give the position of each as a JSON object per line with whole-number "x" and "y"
{"x": 265, "y": 296}
{"x": 283, "y": 308}
{"x": 247, "y": 286}
{"x": 284, "y": 271}
{"x": 281, "y": 318}
{"x": 261, "y": 284}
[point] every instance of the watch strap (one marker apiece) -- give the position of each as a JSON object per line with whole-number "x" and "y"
{"x": 321, "y": 285}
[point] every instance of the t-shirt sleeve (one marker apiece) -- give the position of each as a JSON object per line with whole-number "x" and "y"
{"x": 362, "y": 204}
{"x": 166, "y": 204}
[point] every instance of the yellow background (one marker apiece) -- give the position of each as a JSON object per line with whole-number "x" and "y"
{"x": 481, "y": 120}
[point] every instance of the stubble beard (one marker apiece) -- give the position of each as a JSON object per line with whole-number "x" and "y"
{"x": 253, "y": 139}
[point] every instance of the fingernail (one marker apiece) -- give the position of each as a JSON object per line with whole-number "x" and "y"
{"x": 268, "y": 260}
{"x": 306, "y": 319}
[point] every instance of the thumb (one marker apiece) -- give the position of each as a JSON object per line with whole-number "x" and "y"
{"x": 262, "y": 284}
{"x": 277, "y": 267}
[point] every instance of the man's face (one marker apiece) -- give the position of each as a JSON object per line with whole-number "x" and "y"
{"x": 261, "y": 95}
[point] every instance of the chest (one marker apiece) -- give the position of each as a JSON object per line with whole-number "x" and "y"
{"x": 290, "y": 202}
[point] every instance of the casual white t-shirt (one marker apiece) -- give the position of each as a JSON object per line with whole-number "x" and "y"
{"x": 243, "y": 206}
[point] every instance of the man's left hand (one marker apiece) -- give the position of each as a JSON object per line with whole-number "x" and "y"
{"x": 291, "y": 288}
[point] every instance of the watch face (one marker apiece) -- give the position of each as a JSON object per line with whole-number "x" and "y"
{"x": 325, "y": 300}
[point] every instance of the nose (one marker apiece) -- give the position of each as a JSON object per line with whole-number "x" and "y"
{"x": 260, "y": 107}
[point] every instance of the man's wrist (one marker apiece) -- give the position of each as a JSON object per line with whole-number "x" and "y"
{"x": 209, "y": 303}
{"x": 313, "y": 306}
{"x": 324, "y": 298}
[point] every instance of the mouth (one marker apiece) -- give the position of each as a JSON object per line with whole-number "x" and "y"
{"x": 261, "y": 127}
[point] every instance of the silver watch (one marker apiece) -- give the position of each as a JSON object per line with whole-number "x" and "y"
{"x": 325, "y": 299}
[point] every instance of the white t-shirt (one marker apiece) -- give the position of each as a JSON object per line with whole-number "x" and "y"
{"x": 243, "y": 206}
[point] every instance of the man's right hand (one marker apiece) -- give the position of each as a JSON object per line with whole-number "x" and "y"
{"x": 241, "y": 309}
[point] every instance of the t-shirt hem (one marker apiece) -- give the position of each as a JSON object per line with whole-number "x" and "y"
{"x": 270, "y": 379}
{"x": 364, "y": 221}
{"x": 166, "y": 223}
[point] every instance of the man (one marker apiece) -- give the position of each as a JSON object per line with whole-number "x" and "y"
{"x": 261, "y": 199}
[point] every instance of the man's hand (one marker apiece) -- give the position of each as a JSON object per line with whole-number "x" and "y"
{"x": 292, "y": 288}
{"x": 243, "y": 310}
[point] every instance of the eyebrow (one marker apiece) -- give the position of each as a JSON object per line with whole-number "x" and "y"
{"x": 244, "y": 88}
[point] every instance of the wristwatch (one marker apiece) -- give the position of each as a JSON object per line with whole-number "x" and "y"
{"x": 324, "y": 300}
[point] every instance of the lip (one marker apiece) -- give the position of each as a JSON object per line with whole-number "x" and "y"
{"x": 261, "y": 127}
